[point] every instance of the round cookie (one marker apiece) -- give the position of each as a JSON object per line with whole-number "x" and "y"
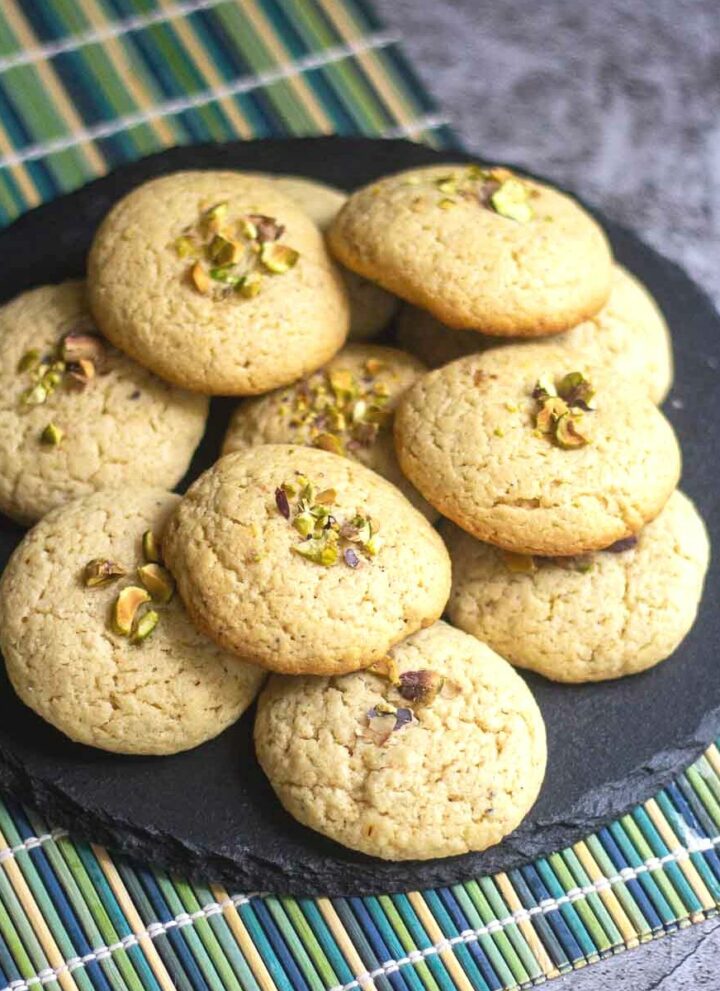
{"x": 488, "y": 454}
{"x": 480, "y": 248}
{"x": 161, "y": 695}
{"x": 371, "y": 308}
{"x": 352, "y": 758}
{"x": 76, "y": 415}
{"x": 218, "y": 282}
{"x": 628, "y": 337}
{"x": 304, "y": 562}
{"x": 609, "y": 614}
{"x": 346, "y": 407}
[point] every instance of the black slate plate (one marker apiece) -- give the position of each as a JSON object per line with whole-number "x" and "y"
{"x": 211, "y": 812}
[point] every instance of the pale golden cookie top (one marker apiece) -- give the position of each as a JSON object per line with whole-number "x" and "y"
{"x": 602, "y": 615}
{"x": 486, "y": 443}
{"x": 217, "y": 281}
{"x": 68, "y": 584}
{"x": 479, "y": 248}
{"x": 78, "y": 415}
{"x": 303, "y": 561}
{"x": 447, "y": 760}
{"x": 346, "y": 408}
{"x": 628, "y": 337}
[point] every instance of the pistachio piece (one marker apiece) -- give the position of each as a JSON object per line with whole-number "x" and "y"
{"x": 158, "y": 581}
{"x": 267, "y": 228}
{"x": 186, "y": 246}
{"x": 101, "y": 571}
{"x": 281, "y": 501}
{"x": 278, "y": 258}
{"x": 327, "y": 497}
{"x": 226, "y": 274}
{"x": 36, "y": 395}
{"x": 383, "y": 720}
{"x": 319, "y": 551}
{"x": 81, "y": 372}
{"x": 145, "y": 626}
{"x": 549, "y": 413}
{"x": 213, "y": 218}
{"x": 82, "y": 347}
{"x": 328, "y": 442}
{"x": 200, "y": 279}
{"x": 544, "y": 388}
{"x": 223, "y": 251}
{"x": 247, "y": 229}
{"x": 420, "y": 687}
{"x": 304, "y": 523}
{"x": 249, "y": 285}
{"x": 510, "y": 200}
{"x": 446, "y": 203}
{"x": 126, "y": 605}
{"x": 576, "y": 390}
{"x": 568, "y": 434}
{"x": 519, "y": 564}
{"x": 622, "y": 545}
{"x": 350, "y": 558}
{"x": 51, "y": 435}
{"x": 151, "y": 547}
{"x": 29, "y": 361}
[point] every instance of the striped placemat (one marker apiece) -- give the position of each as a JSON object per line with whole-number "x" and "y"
{"x": 85, "y": 86}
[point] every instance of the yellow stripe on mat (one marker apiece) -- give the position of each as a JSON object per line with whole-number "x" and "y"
{"x": 237, "y": 927}
{"x": 352, "y": 958}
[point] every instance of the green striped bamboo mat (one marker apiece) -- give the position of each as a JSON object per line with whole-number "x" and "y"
{"x": 85, "y": 86}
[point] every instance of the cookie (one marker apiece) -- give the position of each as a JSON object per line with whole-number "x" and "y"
{"x": 488, "y": 445}
{"x": 76, "y": 415}
{"x": 217, "y": 282}
{"x": 448, "y": 761}
{"x": 346, "y": 408}
{"x": 168, "y": 692}
{"x": 481, "y": 249}
{"x": 371, "y": 308}
{"x": 609, "y": 614}
{"x": 628, "y": 337}
{"x": 304, "y": 562}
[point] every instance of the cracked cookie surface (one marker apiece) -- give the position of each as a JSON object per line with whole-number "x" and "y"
{"x": 311, "y": 409}
{"x": 604, "y": 616}
{"x": 371, "y": 308}
{"x": 239, "y": 568}
{"x": 429, "y": 236}
{"x": 169, "y": 693}
{"x": 628, "y": 337}
{"x": 466, "y": 437}
{"x": 458, "y": 777}
{"x": 120, "y": 424}
{"x": 144, "y": 300}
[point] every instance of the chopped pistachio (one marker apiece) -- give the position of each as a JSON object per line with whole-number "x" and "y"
{"x": 544, "y": 387}
{"x": 81, "y": 372}
{"x": 520, "y": 564}
{"x": 36, "y": 395}
{"x": 511, "y": 200}
{"x": 267, "y": 228}
{"x": 247, "y": 229}
{"x": 145, "y": 626}
{"x": 420, "y": 687}
{"x": 52, "y": 435}
{"x": 200, "y": 278}
{"x": 327, "y": 497}
{"x": 150, "y": 547}
{"x": 319, "y": 551}
{"x": 223, "y": 251}
{"x": 568, "y": 434}
{"x": 126, "y": 605}
{"x": 281, "y": 501}
{"x": 215, "y": 217}
{"x": 576, "y": 390}
{"x": 250, "y": 285}
{"x": 186, "y": 246}
{"x": 499, "y": 432}
{"x": 549, "y": 413}
{"x": 384, "y": 720}
{"x": 278, "y": 258}
{"x": 304, "y": 523}
{"x": 446, "y": 203}
{"x": 226, "y": 274}
{"x": 82, "y": 347}
{"x": 447, "y": 184}
{"x": 100, "y": 572}
{"x": 29, "y": 361}
{"x": 158, "y": 581}
{"x": 329, "y": 442}
{"x": 622, "y": 545}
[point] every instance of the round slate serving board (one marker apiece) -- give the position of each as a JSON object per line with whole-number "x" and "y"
{"x": 211, "y": 812}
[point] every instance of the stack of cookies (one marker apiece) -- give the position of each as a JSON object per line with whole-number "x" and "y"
{"x": 139, "y": 621}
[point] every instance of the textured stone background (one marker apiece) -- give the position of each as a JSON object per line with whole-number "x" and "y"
{"x": 620, "y": 100}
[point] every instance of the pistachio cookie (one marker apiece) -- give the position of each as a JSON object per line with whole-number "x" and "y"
{"x": 521, "y": 448}
{"x": 442, "y": 755}
{"x": 98, "y": 644}
{"x": 218, "y": 282}
{"x": 371, "y": 308}
{"x": 304, "y": 562}
{"x": 347, "y": 408}
{"x": 628, "y": 338}
{"x": 76, "y": 415}
{"x": 603, "y": 615}
{"x": 480, "y": 248}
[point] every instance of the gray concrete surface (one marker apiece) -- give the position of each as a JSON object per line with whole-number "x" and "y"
{"x": 621, "y": 102}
